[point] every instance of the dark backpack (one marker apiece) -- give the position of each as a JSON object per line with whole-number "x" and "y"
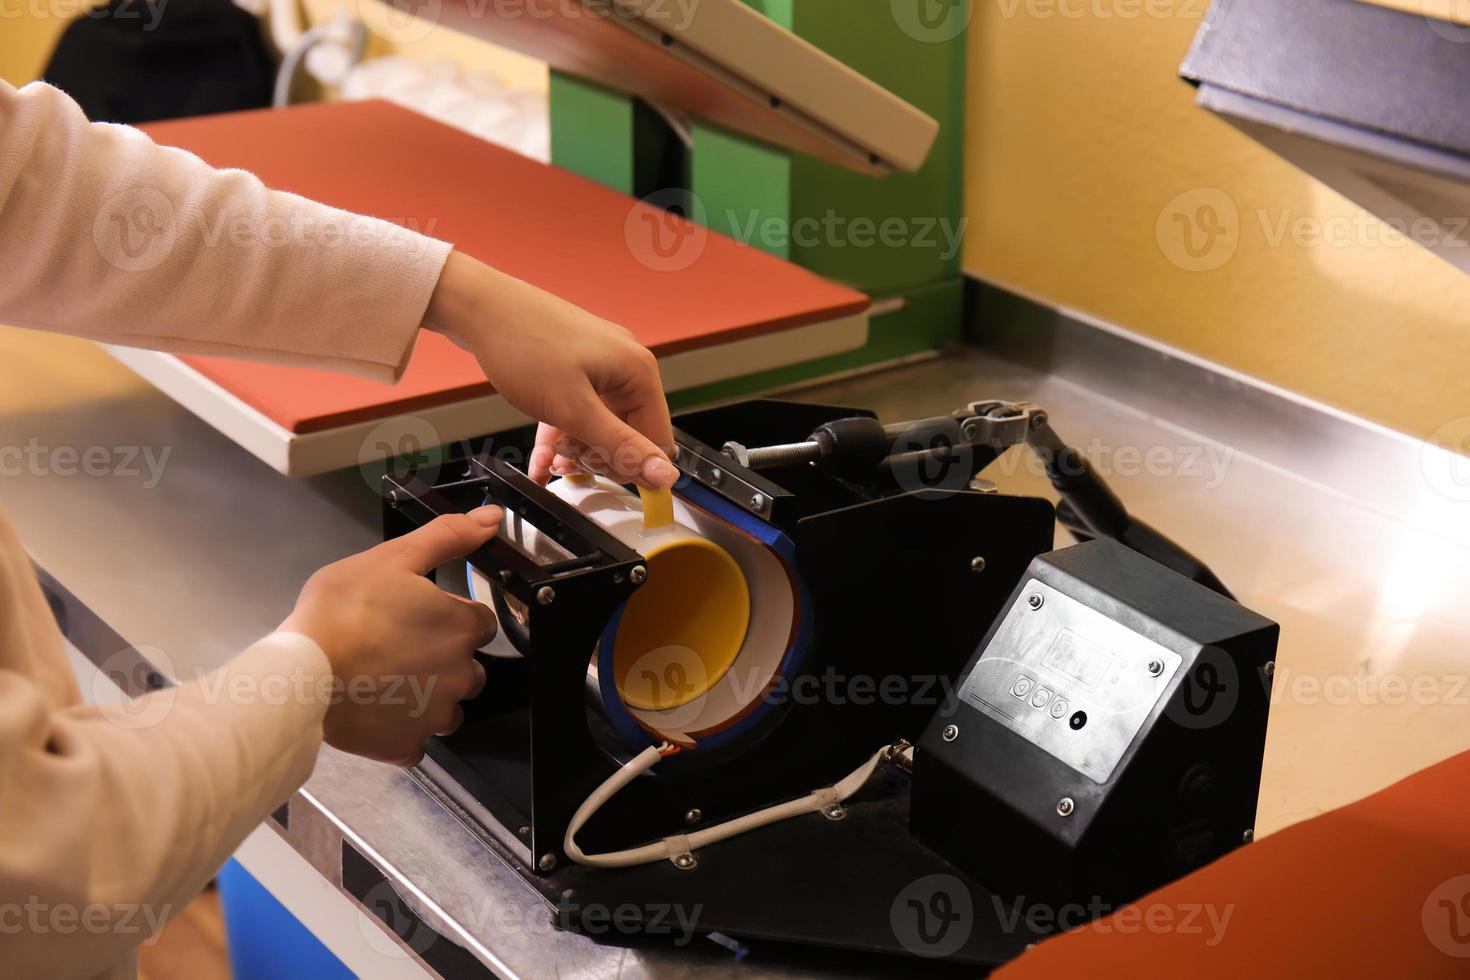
{"x": 134, "y": 61}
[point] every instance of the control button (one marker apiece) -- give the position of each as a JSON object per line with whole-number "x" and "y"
{"x": 1059, "y": 708}
{"x": 1041, "y": 697}
{"x": 1021, "y": 687}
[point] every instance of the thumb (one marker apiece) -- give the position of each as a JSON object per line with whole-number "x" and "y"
{"x": 444, "y": 539}
{"x": 615, "y": 447}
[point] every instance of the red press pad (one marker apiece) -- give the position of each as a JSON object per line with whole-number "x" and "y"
{"x": 1377, "y": 889}
{"x": 542, "y": 224}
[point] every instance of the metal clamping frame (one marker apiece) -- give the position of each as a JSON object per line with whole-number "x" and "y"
{"x": 530, "y": 799}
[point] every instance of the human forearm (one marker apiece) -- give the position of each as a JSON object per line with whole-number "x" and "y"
{"x": 104, "y": 234}
{"x": 596, "y": 386}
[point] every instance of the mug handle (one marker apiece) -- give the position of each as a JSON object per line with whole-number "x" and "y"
{"x": 658, "y": 508}
{"x": 658, "y": 505}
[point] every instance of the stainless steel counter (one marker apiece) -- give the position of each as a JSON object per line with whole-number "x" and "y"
{"x": 191, "y": 548}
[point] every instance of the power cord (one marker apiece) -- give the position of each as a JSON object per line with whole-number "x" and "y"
{"x": 671, "y": 847}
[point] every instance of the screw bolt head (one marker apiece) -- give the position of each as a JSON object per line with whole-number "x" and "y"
{"x": 1248, "y": 836}
{"x": 1065, "y": 807}
{"x": 1034, "y": 600}
{"x": 834, "y": 811}
{"x": 736, "y": 452}
{"x": 547, "y": 862}
{"x": 950, "y": 733}
{"x": 977, "y": 564}
{"x": 1270, "y": 668}
{"x": 546, "y": 595}
{"x": 1156, "y": 667}
{"x": 758, "y": 502}
{"x": 693, "y": 816}
{"x": 685, "y": 862}
{"x": 638, "y": 575}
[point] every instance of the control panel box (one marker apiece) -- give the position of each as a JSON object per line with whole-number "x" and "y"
{"x": 1107, "y": 736}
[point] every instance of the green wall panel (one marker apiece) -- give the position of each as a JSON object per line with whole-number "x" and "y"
{"x": 884, "y": 235}
{"x": 917, "y": 219}
{"x": 592, "y": 131}
{"x": 744, "y": 189}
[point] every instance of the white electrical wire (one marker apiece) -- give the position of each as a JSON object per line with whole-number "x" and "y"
{"x": 291, "y": 61}
{"x": 671, "y": 847}
{"x": 336, "y": 44}
{"x": 285, "y": 24}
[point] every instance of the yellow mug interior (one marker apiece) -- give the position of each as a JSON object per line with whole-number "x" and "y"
{"x": 683, "y": 628}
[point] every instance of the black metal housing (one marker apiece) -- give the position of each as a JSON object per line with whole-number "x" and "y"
{"x": 1186, "y": 788}
{"x": 908, "y": 569}
{"x": 900, "y": 603}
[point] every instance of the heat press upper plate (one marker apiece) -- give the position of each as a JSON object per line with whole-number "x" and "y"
{"x": 718, "y": 60}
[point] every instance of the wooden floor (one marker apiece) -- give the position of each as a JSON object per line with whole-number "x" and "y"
{"x": 191, "y": 947}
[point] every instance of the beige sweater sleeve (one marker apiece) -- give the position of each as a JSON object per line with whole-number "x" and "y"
{"x": 110, "y": 822}
{"x": 112, "y": 818}
{"x": 104, "y": 234}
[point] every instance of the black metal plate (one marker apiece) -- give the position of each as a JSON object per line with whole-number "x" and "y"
{"x": 860, "y": 885}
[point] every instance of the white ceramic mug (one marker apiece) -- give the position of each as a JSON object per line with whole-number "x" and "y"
{"x": 681, "y": 631}
{"x": 663, "y": 688}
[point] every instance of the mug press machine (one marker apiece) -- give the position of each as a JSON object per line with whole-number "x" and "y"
{"x": 1051, "y": 728}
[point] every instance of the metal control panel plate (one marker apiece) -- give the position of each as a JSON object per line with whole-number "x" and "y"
{"x": 1070, "y": 680}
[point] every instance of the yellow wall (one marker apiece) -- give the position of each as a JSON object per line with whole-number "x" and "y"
{"x": 1080, "y": 135}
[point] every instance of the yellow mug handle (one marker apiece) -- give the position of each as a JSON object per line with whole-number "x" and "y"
{"x": 658, "y": 508}
{"x": 658, "y": 505}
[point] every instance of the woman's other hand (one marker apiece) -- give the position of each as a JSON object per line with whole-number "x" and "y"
{"x": 594, "y": 388}
{"x": 401, "y": 649}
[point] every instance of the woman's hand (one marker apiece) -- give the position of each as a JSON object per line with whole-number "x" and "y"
{"x": 401, "y": 648}
{"x": 593, "y": 387}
